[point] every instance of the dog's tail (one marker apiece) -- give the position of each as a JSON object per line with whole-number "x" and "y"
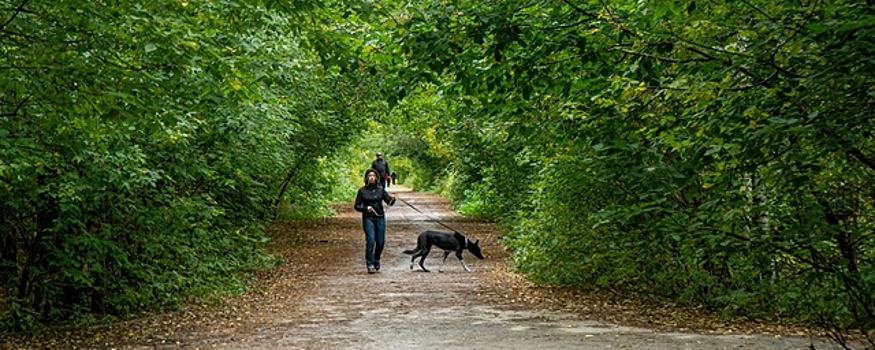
{"x": 420, "y": 245}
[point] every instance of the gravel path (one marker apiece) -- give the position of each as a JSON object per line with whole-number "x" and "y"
{"x": 321, "y": 298}
{"x": 400, "y": 308}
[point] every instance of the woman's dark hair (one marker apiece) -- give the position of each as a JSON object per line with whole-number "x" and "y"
{"x": 371, "y": 170}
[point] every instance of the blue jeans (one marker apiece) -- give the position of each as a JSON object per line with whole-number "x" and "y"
{"x": 375, "y": 234}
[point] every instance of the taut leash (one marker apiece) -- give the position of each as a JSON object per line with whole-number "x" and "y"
{"x": 426, "y": 215}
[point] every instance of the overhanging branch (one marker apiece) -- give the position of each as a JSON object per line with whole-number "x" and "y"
{"x": 18, "y": 10}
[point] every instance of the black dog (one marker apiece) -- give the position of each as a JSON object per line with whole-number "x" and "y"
{"x": 448, "y": 241}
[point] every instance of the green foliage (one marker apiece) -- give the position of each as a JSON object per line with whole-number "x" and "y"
{"x": 143, "y": 147}
{"x": 716, "y": 153}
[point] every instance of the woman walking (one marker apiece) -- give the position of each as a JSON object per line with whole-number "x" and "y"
{"x": 369, "y": 201}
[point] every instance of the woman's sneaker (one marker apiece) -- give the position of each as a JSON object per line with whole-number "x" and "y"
{"x": 371, "y": 270}
{"x": 377, "y": 266}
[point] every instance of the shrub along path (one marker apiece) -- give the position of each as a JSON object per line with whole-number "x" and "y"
{"x": 321, "y": 297}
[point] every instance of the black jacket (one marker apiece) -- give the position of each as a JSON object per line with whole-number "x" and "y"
{"x": 382, "y": 168}
{"x": 374, "y": 196}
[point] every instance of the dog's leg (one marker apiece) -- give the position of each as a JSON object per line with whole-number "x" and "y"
{"x": 459, "y": 255}
{"x": 446, "y": 254}
{"x": 465, "y": 266}
{"x": 413, "y": 260}
{"x": 422, "y": 260}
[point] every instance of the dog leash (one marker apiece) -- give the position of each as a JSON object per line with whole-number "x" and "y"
{"x": 433, "y": 219}
{"x": 392, "y": 202}
{"x": 420, "y": 211}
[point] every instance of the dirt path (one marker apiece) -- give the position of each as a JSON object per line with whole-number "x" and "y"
{"x": 321, "y": 298}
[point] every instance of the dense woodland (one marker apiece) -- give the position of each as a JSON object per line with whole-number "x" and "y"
{"x": 711, "y": 153}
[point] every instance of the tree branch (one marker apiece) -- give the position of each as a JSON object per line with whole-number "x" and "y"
{"x": 757, "y": 9}
{"x": 24, "y": 67}
{"x": 862, "y": 157}
{"x": 667, "y": 59}
{"x": 580, "y": 10}
{"x": 18, "y": 10}
{"x": 685, "y": 41}
{"x": 781, "y": 69}
{"x": 30, "y": 37}
{"x": 853, "y": 151}
{"x": 562, "y": 26}
{"x": 288, "y": 179}
{"x": 751, "y": 86}
{"x": 770, "y": 244}
{"x": 17, "y": 107}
